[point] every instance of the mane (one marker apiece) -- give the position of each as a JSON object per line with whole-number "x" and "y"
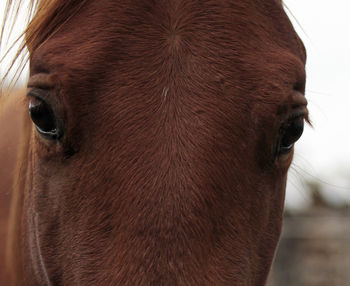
{"x": 14, "y": 238}
{"x": 44, "y": 18}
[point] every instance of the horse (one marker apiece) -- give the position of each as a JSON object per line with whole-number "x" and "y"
{"x": 157, "y": 143}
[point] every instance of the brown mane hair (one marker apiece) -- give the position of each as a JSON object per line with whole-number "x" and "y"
{"x": 13, "y": 253}
{"x": 45, "y": 17}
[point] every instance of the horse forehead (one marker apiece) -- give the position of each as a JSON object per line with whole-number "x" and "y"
{"x": 106, "y": 32}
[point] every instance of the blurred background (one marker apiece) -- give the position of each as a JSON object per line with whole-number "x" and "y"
{"x": 315, "y": 244}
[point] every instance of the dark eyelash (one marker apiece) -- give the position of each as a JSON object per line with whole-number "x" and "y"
{"x": 301, "y": 114}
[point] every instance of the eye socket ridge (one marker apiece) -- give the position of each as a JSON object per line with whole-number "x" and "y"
{"x": 43, "y": 116}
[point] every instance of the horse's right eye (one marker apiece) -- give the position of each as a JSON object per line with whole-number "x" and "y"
{"x": 44, "y": 118}
{"x": 291, "y": 132}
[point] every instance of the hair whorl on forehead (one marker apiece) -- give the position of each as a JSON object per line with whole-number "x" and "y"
{"x": 45, "y": 17}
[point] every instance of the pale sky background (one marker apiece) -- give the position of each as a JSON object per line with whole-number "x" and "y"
{"x": 323, "y": 153}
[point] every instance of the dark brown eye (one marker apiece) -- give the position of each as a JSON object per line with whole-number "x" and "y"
{"x": 290, "y": 133}
{"x": 44, "y": 118}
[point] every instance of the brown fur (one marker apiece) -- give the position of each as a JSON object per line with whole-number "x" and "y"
{"x": 166, "y": 173}
{"x": 10, "y": 128}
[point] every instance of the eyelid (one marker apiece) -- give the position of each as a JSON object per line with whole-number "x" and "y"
{"x": 300, "y": 114}
{"x": 40, "y": 94}
{"x": 42, "y": 81}
{"x": 299, "y": 107}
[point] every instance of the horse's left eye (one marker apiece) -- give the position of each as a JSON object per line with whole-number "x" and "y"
{"x": 44, "y": 118}
{"x": 290, "y": 133}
